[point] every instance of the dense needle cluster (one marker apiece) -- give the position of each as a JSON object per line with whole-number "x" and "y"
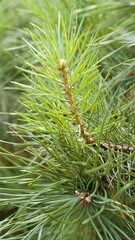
{"x": 65, "y": 82}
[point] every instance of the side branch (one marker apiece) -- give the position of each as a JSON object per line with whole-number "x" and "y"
{"x": 116, "y": 147}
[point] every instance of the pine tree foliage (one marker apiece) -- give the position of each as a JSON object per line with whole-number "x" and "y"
{"x": 76, "y": 180}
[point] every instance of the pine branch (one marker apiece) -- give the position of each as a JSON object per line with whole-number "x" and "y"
{"x": 65, "y": 82}
{"x": 70, "y": 100}
{"x": 64, "y": 189}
